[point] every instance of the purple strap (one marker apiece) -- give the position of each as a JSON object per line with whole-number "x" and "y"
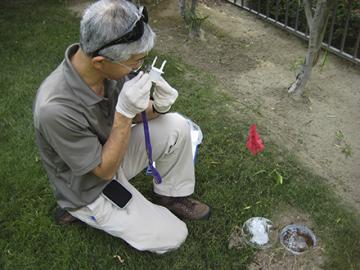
{"x": 154, "y": 171}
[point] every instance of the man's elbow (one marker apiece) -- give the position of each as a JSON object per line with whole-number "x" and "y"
{"x": 107, "y": 175}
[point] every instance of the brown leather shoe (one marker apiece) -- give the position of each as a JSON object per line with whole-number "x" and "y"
{"x": 184, "y": 207}
{"x": 63, "y": 217}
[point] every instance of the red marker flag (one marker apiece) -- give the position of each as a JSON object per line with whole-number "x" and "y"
{"x": 254, "y": 142}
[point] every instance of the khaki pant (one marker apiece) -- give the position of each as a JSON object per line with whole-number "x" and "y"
{"x": 142, "y": 224}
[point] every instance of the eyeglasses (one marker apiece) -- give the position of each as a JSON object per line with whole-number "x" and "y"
{"x": 133, "y": 34}
{"x": 139, "y": 65}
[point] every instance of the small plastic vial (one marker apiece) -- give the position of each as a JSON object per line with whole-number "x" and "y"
{"x": 155, "y": 73}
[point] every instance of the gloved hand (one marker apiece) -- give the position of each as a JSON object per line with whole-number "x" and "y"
{"x": 134, "y": 96}
{"x": 164, "y": 96}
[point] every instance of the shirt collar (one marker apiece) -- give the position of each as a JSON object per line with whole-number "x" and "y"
{"x": 77, "y": 84}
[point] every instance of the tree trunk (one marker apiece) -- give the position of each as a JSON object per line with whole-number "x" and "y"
{"x": 194, "y": 31}
{"x": 193, "y": 6}
{"x": 182, "y": 6}
{"x": 317, "y": 25}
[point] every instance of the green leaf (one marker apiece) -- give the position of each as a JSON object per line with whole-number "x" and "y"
{"x": 279, "y": 178}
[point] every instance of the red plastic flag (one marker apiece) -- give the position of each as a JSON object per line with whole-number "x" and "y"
{"x": 254, "y": 142}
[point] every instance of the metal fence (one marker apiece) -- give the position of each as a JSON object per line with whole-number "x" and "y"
{"x": 342, "y": 35}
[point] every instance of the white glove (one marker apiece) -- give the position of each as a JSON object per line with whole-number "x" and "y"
{"x": 164, "y": 96}
{"x": 134, "y": 96}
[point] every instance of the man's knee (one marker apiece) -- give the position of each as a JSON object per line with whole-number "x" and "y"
{"x": 177, "y": 124}
{"x": 163, "y": 237}
{"x": 177, "y": 120}
{"x": 172, "y": 238}
{"x": 181, "y": 234}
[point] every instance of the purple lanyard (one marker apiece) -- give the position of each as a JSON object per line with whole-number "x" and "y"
{"x": 154, "y": 171}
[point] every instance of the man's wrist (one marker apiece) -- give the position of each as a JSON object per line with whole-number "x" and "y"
{"x": 124, "y": 113}
{"x": 120, "y": 119}
{"x": 160, "y": 112}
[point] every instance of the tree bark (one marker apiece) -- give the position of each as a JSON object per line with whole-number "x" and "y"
{"x": 193, "y": 6}
{"x": 317, "y": 25}
{"x": 195, "y": 30}
{"x": 193, "y": 22}
{"x": 182, "y": 6}
{"x": 308, "y": 12}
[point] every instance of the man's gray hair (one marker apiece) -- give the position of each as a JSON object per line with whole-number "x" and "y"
{"x": 107, "y": 20}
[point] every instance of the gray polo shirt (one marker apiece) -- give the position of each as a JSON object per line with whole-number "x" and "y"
{"x": 72, "y": 124}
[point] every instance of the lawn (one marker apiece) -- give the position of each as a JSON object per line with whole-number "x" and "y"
{"x": 34, "y": 35}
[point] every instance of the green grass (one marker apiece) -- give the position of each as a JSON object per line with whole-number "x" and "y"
{"x": 34, "y": 35}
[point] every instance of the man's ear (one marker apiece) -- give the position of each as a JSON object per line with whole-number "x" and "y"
{"x": 98, "y": 61}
